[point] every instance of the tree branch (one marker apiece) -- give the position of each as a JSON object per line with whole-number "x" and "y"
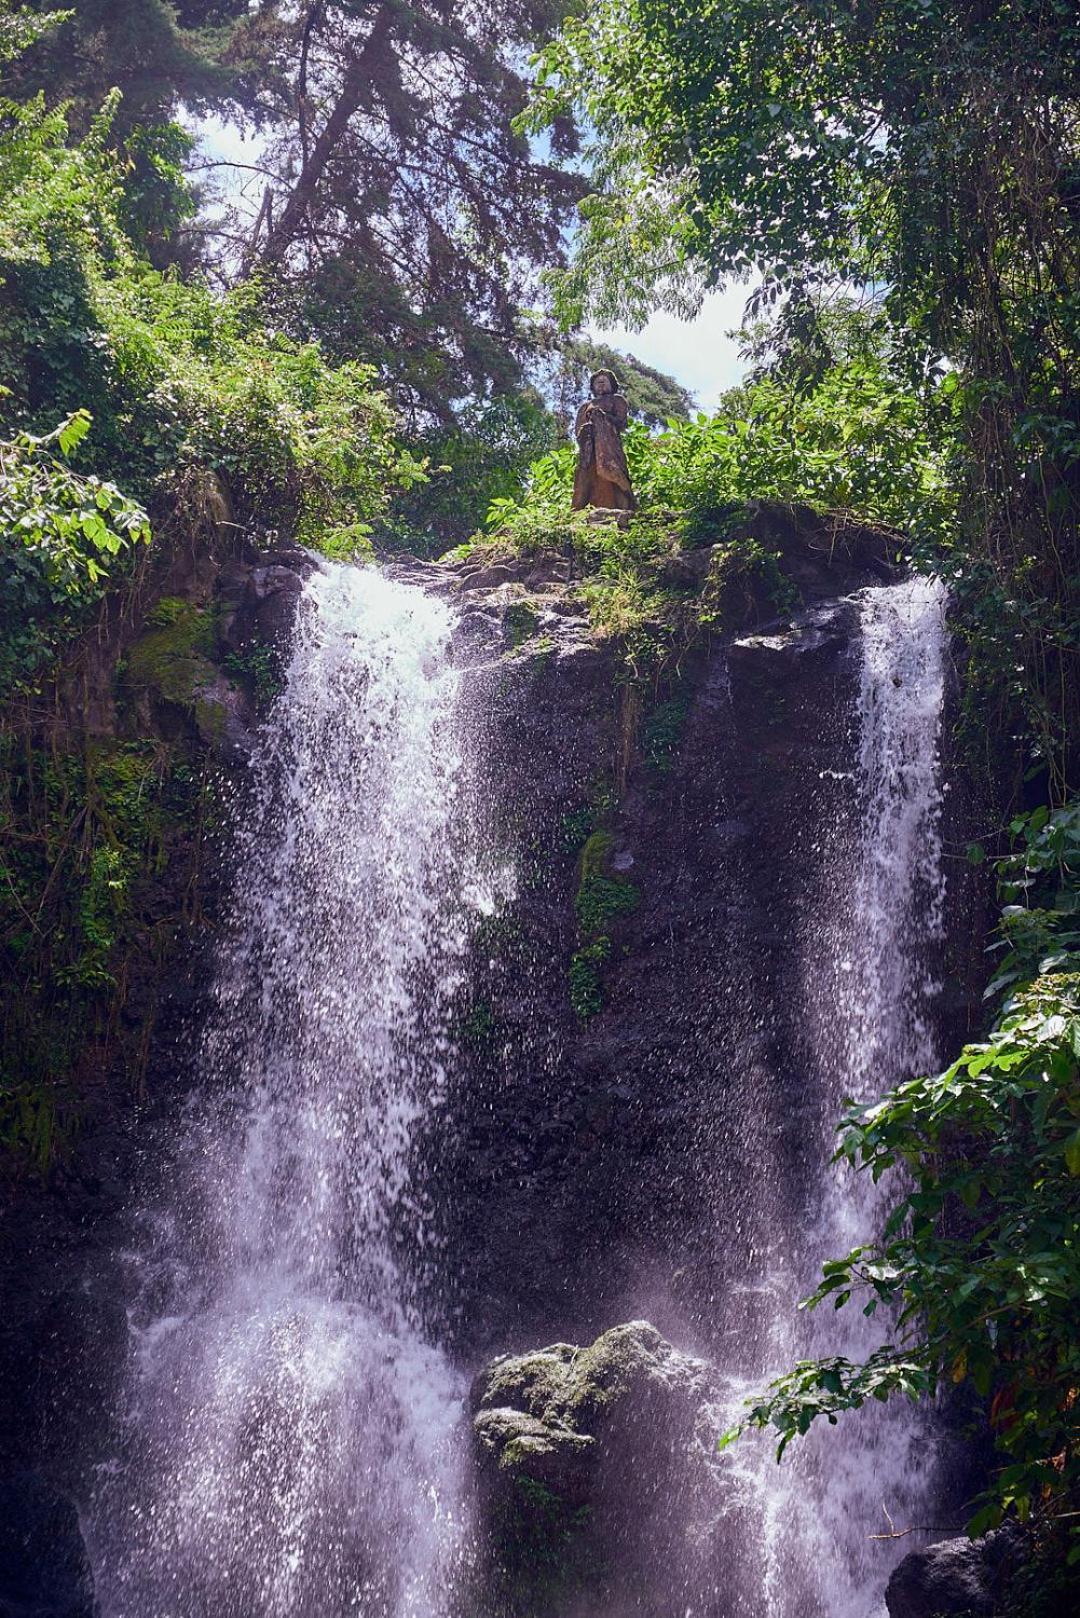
{"x": 356, "y": 81}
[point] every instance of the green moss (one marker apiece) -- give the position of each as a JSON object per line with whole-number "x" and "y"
{"x": 601, "y": 897}
{"x": 80, "y": 922}
{"x": 595, "y": 854}
{"x": 586, "y": 980}
{"x": 662, "y": 734}
{"x": 522, "y": 621}
{"x": 478, "y": 1025}
{"x": 209, "y": 720}
{"x": 530, "y": 1382}
{"x": 172, "y": 660}
{"x": 169, "y": 610}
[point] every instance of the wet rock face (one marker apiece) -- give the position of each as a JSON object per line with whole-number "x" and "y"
{"x": 44, "y": 1568}
{"x": 187, "y": 670}
{"x": 959, "y": 1576}
{"x": 600, "y": 1129}
{"x": 592, "y": 1464}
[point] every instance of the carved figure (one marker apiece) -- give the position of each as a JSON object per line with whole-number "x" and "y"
{"x": 601, "y": 477}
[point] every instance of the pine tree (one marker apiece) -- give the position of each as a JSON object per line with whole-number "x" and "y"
{"x": 158, "y": 55}
{"x": 406, "y": 215}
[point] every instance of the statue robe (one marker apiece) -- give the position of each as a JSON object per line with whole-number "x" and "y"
{"x": 602, "y": 477}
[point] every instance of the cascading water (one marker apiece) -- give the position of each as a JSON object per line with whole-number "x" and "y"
{"x": 868, "y": 995}
{"x": 291, "y": 1431}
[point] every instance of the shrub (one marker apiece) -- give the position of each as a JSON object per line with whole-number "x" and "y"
{"x": 979, "y": 1259}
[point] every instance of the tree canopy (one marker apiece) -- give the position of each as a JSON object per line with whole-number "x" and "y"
{"x": 402, "y": 215}
{"x": 928, "y": 150}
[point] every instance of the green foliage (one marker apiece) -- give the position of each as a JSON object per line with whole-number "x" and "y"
{"x": 202, "y": 415}
{"x": 259, "y": 668}
{"x": 155, "y": 198}
{"x": 654, "y": 397}
{"x": 853, "y": 435}
{"x": 925, "y": 151}
{"x": 86, "y": 837}
{"x": 846, "y": 436}
{"x": 602, "y": 897}
{"x": 1040, "y": 882}
{"x": 978, "y": 1263}
{"x": 156, "y": 53}
{"x": 408, "y": 219}
{"x": 305, "y": 449}
{"x": 586, "y": 980}
{"x": 662, "y": 733}
{"x": 482, "y": 458}
{"x": 64, "y": 539}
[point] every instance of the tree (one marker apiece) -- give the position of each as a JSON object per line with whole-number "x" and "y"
{"x": 482, "y": 455}
{"x": 399, "y": 219}
{"x": 653, "y": 396}
{"x": 155, "y": 53}
{"x": 926, "y": 148}
{"x": 403, "y": 215}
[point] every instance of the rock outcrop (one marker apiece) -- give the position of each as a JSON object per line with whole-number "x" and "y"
{"x": 153, "y": 716}
{"x": 591, "y": 1467}
{"x": 632, "y": 1025}
{"x": 600, "y": 1128}
{"x": 44, "y": 1569}
{"x": 965, "y": 1577}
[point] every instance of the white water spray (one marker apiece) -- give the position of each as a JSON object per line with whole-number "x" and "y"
{"x": 292, "y": 1449}
{"x": 870, "y": 998}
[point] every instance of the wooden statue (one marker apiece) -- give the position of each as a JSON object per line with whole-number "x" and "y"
{"x": 602, "y": 478}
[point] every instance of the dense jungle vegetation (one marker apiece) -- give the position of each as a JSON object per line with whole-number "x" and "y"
{"x": 385, "y": 355}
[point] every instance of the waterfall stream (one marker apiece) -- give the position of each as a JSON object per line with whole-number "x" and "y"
{"x": 868, "y": 1000}
{"x": 291, "y": 1430}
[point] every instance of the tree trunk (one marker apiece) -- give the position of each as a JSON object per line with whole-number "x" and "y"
{"x": 357, "y": 78}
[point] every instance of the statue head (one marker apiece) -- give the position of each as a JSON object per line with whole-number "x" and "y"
{"x": 603, "y": 382}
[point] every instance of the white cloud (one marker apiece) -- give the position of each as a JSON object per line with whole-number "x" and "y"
{"x": 698, "y": 353}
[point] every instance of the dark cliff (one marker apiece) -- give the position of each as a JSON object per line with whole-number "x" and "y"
{"x": 642, "y": 1003}
{"x": 674, "y": 848}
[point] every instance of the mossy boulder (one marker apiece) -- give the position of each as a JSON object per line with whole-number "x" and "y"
{"x": 172, "y": 659}
{"x": 586, "y": 1462}
{"x": 175, "y": 668}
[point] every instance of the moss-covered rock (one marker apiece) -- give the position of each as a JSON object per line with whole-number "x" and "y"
{"x": 172, "y": 659}
{"x": 583, "y": 1454}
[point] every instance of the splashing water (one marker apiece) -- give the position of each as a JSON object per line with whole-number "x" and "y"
{"x": 900, "y": 894}
{"x": 291, "y": 1443}
{"x": 867, "y": 976}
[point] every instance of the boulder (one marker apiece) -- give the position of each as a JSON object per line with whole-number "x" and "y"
{"x": 587, "y": 1462}
{"x": 958, "y": 1576}
{"x": 44, "y": 1569}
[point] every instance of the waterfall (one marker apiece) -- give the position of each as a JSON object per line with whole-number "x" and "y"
{"x": 291, "y": 1428}
{"x": 293, "y": 1432}
{"x": 868, "y": 996}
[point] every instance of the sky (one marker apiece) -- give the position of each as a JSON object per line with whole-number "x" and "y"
{"x": 698, "y": 353}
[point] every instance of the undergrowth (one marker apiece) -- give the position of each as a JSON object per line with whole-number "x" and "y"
{"x": 99, "y": 851}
